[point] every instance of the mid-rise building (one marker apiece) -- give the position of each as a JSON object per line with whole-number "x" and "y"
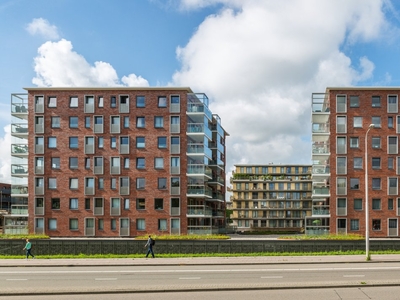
{"x": 271, "y": 197}
{"x": 355, "y": 153}
{"x": 116, "y": 162}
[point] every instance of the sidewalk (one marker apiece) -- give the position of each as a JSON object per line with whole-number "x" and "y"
{"x": 242, "y": 260}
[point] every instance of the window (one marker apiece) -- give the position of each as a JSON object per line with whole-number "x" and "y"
{"x": 341, "y": 165}
{"x": 354, "y": 183}
{"x": 354, "y": 224}
{"x": 392, "y": 186}
{"x": 140, "y": 163}
{"x": 73, "y": 183}
{"x": 341, "y": 103}
{"x": 113, "y": 102}
{"x": 376, "y": 224}
{"x": 55, "y": 203}
{"x": 158, "y": 122}
{"x": 100, "y": 224}
{"x": 73, "y": 122}
{"x": 52, "y": 183}
{"x": 52, "y": 142}
{"x": 376, "y": 163}
{"x": 55, "y": 122}
{"x": 158, "y": 203}
{"x": 376, "y": 101}
{"x": 126, "y": 204}
{"x": 140, "y": 224}
{"x": 140, "y": 122}
{"x": 52, "y": 224}
{"x": 140, "y": 203}
{"x": 354, "y": 142}
{"x": 100, "y": 183}
{"x": 392, "y": 104}
{"x": 140, "y": 101}
{"x": 162, "y": 142}
{"x": 140, "y": 142}
{"x": 100, "y": 142}
{"x": 113, "y": 184}
{"x": 140, "y": 183}
{"x": 175, "y": 99}
{"x": 162, "y": 224}
{"x": 52, "y": 102}
{"x": 376, "y": 183}
{"x": 113, "y": 142}
{"x": 357, "y": 204}
{"x": 354, "y": 101}
{"x": 87, "y": 203}
{"x": 100, "y": 101}
{"x": 390, "y": 204}
{"x": 87, "y": 122}
{"x": 357, "y": 122}
{"x": 73, "y": 203}
{"x": 55, "y": 162}
{"x": 73, "y": 102}
{"x": 357, "y": 163}
{"x": 162, "y": 183}
{"x": 376, "y": 121}
{"x": 392, "y": 145}
{"x": 87, "y": 162}
{"x": 376, "y": 142}
{"x": 390, "y": 163}
{"x": 73, "y": 142}
{"x": 73, "y": 224}
{"x": 73, "y": 163}
{"x": 159, "y": 163}
{"x": 341, "y": 124}
{"x": 126, "y": 162}
{"x": 390, "y": 122}
{"x": 341, "y": 145}
{"x": 162, "y": 101}
{"x": 126, "y": 122}
{"x": 376, "y": 204}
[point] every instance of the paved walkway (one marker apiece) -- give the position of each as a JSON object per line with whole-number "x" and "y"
{"x": 242, "y": 260}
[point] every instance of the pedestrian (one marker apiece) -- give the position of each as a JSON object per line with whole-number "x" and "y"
{"x": 150, "y": 243}
{"x": 28, "y": 248}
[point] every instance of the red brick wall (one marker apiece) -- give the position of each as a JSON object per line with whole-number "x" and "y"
{"x": 64, "y": 152}
{"x": 366, "y": 111}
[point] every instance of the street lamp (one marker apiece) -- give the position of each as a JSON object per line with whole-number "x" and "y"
{"x": 366, "y": 196}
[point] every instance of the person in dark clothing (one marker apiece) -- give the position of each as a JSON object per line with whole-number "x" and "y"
{"x": 149, "y": 244}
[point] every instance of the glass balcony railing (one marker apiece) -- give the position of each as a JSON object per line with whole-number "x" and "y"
{"x": 321, "y": 191}
{"x": 199, "y": 210}
{"x": 320, "y": 127}
{"x": 199, "y": 169}
{"x": 199, "y": 190}
{"x": 199, "y": 128}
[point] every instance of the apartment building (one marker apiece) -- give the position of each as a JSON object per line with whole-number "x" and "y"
{"x": 355, "y": 134}
{"x": 111, "y": 162}
{"x": 271, "y": 197}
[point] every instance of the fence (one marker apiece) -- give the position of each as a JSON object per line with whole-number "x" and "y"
{"x": 127, "y": 246}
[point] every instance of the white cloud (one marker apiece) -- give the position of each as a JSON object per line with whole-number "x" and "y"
{"x": 5, "y": 156}
{"x": 260, "y": 60}
{"x": 58, "y": 65}
{"x": 43, "y": 28}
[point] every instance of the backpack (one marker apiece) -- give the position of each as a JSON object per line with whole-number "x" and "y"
{"x": 152, "y": 242}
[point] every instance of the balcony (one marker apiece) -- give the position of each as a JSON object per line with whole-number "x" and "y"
{"x": 199, "y": 191}
{"x": 199, "y": 210}
{"x": 199, "y": 169}
{"x": 320, "y": 127}
{"x": 321, "y": 210}
{"x": 195, "y": 128}
{"x": 19, "y": 170}
{"x": 323, "y": 191}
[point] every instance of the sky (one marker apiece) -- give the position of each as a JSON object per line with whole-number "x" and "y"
{"x": 258, "y": 61}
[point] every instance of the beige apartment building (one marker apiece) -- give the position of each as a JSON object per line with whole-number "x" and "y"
{"x": 271, "y": 197}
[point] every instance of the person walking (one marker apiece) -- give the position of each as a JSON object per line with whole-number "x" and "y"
{"x": 150, "y": 243}
{"x": 28, "y": 248}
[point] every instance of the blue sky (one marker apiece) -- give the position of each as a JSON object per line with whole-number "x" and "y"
{"x": 257, "y": 60}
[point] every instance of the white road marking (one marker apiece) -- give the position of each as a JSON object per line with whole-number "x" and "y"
{"x": 16, "y": 279}
{"x": 269, "y": 270}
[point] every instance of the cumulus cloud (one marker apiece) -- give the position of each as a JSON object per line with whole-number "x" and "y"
{"x": 58, "y": 65}
{"x": 43, "y": 28}
{"x": 260, "y": 60}
{"x": 5, "y": 156}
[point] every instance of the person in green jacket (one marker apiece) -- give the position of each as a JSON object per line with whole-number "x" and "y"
{"x": 28, "y": 248}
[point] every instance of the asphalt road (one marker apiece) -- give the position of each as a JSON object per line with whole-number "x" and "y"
{"x": 150, "y": 279}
